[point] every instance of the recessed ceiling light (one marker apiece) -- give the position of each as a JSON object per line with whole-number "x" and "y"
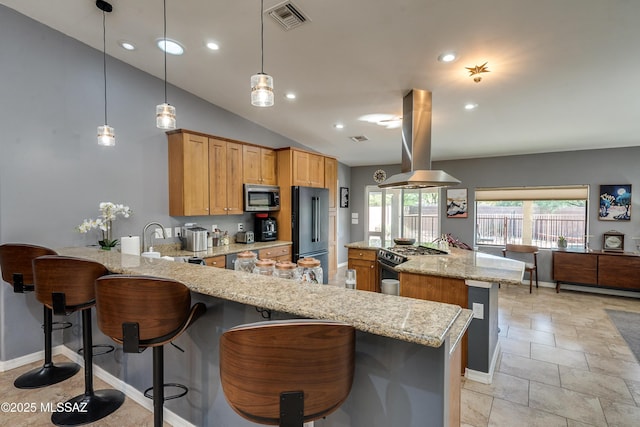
{"x": 291, "y": 95}
{"x": 447, "y": 57}
{"x": 172, "y": 47}
{"x": 338, "y": 126}
{"x": 126, "y": 45}
{"x": 213, "y": 46}
{"x": 470, "y": 106}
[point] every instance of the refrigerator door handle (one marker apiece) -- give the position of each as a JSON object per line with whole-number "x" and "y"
{"x": 314, "y": 219}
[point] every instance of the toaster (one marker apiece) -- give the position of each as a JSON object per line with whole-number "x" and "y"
{"x": 245, "y": 237}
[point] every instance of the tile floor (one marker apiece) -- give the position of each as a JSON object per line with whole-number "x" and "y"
{"x": 562, "y": 363}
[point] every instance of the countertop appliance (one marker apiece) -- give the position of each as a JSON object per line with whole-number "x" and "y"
{"x": 261, "y": 198}
{"x": 245, "y": 237}
{"x": 310, "y": 225}
{"x": 194, "y": 238}
{"x": 265, "y": 229}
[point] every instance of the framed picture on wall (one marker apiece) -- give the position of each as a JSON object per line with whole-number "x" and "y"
{"x": 615, "y": 202}
{"x": 457, "y": 203}
{"x": 344, "y": 197}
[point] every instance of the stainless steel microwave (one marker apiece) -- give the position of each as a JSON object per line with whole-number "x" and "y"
{"x": 261, "y": 198}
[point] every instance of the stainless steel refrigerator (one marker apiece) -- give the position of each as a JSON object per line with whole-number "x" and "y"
{"x": 310, "y": 225}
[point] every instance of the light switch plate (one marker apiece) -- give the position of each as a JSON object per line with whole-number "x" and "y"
{"x": 478, "y": 311}
{"x": 168, "y": 232}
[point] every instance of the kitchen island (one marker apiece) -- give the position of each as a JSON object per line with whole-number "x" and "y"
{"x": 406, "y": 349}
{"x": 466, "y": 278}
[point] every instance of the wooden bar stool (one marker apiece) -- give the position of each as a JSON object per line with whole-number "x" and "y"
{"x": 287, "y": 372}
{"x": 140, "y": 312}
{"x": 67, "y": 285}
{"x": 16, "y": 262}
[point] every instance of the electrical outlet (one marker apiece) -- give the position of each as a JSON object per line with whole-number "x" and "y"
{"x": 176, "y": 231}
{"x": 478, "y": 311}
{"x": 214, "y": 227}
{"x": 240, "y": 226}
{"x": 167, "y": 230}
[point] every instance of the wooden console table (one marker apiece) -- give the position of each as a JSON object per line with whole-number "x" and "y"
{"x": 615, "y": 270}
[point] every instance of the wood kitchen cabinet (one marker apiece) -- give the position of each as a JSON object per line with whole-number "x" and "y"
{"x": 225, "y": 166}
{"x": 216, "y": 261}
{"x": 331, "y": 182}
{"x": 259, "y": 165}
{"x": 308, "y": 169}
{"x": 365, "y": 262}
{"x": 188, "y": 174}
{"x": 597, "y": 268}
{"x": 277, "y": 253}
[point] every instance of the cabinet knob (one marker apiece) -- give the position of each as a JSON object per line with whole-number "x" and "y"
{"x": 371, "y": 266}
{"x": 360, "y": 253}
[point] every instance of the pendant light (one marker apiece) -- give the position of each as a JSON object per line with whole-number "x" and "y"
{"x": 261, "y": 83}
{"x": 165, "y": 113}
{"x": 106, "y": 134}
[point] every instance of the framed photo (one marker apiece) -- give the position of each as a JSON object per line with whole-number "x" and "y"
{"x": 344, "y": 197}
{"x": 615, "y": 203}
{"x": 457, "y": 203}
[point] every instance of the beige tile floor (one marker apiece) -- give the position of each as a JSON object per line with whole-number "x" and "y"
{"x": 562, "y": 363}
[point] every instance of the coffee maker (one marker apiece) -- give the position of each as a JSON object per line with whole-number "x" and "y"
{"x": 265, "y": 229}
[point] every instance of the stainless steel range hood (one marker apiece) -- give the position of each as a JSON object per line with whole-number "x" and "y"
{"x": 416, "y": 147}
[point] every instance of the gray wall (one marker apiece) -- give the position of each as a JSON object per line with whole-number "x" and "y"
{"x": 53, "y": 174}
{"x": 592, "y": 167}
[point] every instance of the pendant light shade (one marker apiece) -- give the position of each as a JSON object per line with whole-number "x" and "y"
{"x": 106, "y": 134}
{"x": 165, "y": 113}
{"x": 261, "y": 83}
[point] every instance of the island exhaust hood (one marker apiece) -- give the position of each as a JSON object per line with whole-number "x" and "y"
{"x": 416, "y": 147}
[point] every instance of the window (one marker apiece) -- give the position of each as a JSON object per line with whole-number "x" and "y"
{"x": 532, "y": 216}
{"x": 395, "y": 213}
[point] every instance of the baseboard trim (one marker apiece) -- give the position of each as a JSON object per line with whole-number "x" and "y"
{"x": 8, "y": 365}
{"x": 484, "y": 377}
{"x": 343, "y": 264}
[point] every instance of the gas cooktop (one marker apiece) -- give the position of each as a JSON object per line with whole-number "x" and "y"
{"x": 398, "y": 254}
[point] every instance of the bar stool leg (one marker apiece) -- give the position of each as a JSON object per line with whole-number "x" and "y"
{"x": 158, "y": 385}
{"x": 49, "y": 373}
{"x": 92, "y": 405}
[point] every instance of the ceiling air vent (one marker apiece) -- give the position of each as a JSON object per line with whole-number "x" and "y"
{"x": 359, "y": 138}
{"x": 288, "y": 15}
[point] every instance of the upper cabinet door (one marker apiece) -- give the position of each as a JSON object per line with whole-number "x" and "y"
{"x": 331, "y": 180}
{"x": 188, "y": 175}
{"x": 268, "y": 166}
{"x": 308, "y": 169}
{"x": 251, "y": 165}
{"x": 218, "y": 176}
{"x": 234, "y": 185}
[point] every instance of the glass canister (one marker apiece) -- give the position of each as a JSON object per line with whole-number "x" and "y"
{"x": 264, "y": 267}
{"x": 309, "y": 270}
{"x": 245, "y": 261}
{"x": 286, "y": 270}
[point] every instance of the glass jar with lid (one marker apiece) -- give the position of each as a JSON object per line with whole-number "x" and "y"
{"x": 245, "y": 261}
{"x": 264, "y": 267}
{"x": 309, "y": 270}
{"x": 286, "y": 270}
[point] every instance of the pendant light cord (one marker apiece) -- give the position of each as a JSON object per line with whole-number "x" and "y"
{"x": 104, "y": 62}
{"x": 262, "y": 36}
{"x": 165, "y": 50}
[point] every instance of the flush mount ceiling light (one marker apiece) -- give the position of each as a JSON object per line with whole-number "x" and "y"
{"x": 290, "y": 95}
{"x": 106, "y": 134}
{"x": 447, "y": 57}
{"x": 470, "y": 106}
{"x": 477, "y": 71}
{"x": 338, "y": 126}
{"x": 165, "y": 113}
{"x": 170, "y": 46}
{"x": 213, "y": 46}
{"x": 261, "y": 83}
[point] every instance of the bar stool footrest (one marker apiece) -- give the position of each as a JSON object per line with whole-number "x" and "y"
{"x": 57, "y": 326}
{"x": 105, "y": 349}
{"x": 149, "y": 395}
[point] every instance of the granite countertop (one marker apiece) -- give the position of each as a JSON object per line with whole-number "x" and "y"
{"x": 418, "y": 321}
{"x": 459, "y": 264}
{"x": 174, "y": 250}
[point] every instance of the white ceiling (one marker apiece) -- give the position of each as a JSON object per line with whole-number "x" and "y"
{"x": 563, "y": 72}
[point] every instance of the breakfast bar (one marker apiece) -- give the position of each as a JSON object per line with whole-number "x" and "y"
{"x": 406, "y": 349}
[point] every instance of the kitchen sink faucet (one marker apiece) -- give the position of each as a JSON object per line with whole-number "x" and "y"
{"x": 144, "y": 231}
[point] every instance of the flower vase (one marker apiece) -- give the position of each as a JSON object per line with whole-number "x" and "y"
{"x": 562, "y": 243}
{"x": 107, "y": 243}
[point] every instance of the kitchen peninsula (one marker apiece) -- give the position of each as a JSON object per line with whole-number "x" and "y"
{"x": 407, "y": 352}
{"x": 466, "y": 278}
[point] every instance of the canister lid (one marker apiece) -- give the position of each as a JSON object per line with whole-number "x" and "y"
{"x": 247, "y": 254}
{"x": 265, "y": 263}
{"x": 285, "y": 265}
{"x": 308, "y": 262}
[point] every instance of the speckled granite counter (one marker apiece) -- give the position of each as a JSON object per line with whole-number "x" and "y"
{"x": 173, "y": 250}
{"x": 422, "y": 322}
{"x": 459, "y": 264}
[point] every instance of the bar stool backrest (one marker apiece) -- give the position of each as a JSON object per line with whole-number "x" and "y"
{"x": 73, "y": 277}
{"x": 260, "y": 361}
{"x": 17, "y": 258}
{"x": 160, "y": 307}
